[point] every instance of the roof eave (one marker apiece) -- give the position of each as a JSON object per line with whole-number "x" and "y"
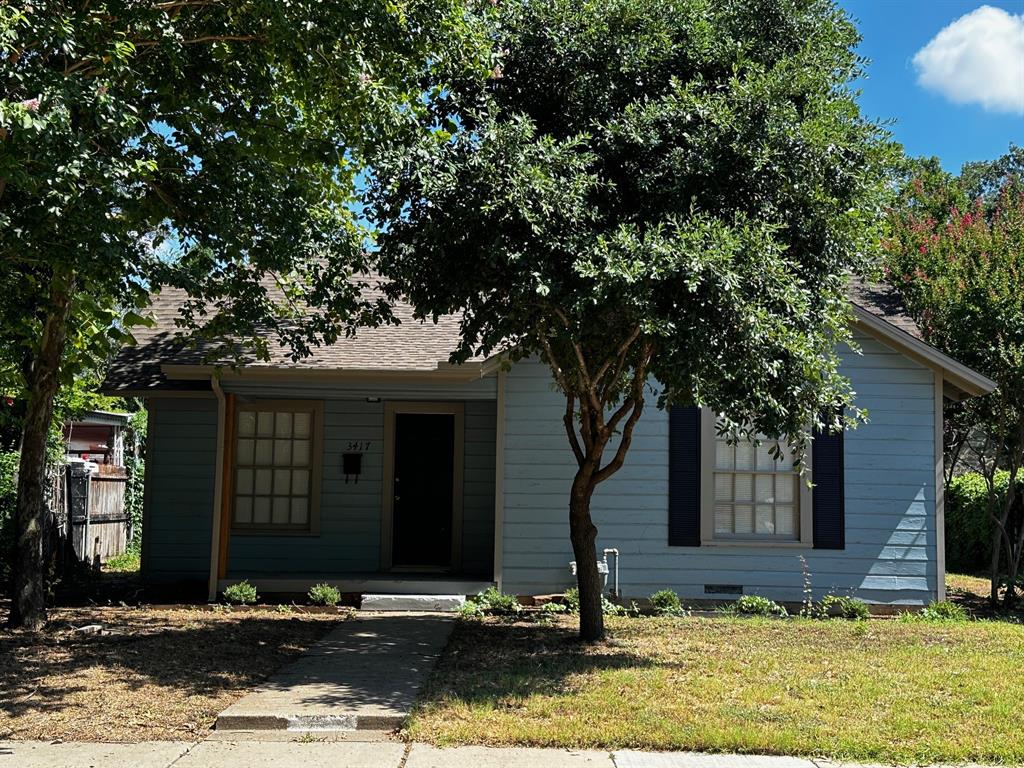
{"x": 445, "y": 371}
{"x": 964, "y": 381}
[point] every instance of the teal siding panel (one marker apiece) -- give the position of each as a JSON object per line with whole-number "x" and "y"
{"x": 889, "y": 491}
{"x": 349, "y": 541}
{"x": 180, "y": 477}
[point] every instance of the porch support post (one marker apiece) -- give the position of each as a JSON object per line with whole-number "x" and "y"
{"x": 218, "y": 535}
{"x": 499, "y": 480}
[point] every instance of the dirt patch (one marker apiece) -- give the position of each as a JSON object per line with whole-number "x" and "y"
{"x": 137, "y": 674}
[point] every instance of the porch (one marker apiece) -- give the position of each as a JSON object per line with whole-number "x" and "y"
{"x": 371, "y": 493}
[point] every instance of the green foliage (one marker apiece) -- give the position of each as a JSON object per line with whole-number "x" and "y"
{"x": 571, "y": 601}
{"x": 553, "y": 608}
{"x": 755, "y": 605}
{"x": 126, "y": 562}
{"x": 666, "y": 601}
{"x": 283, "y": 608}
{"x": 198, "y": 147}
{"x": 8, "y": 500}
{"x": 625, "y": 183}
{"x": 955, "y": 248}
{"x": 324, "y": 594}
{"x": 674, "y": 189}
{"x": 944, "y": 611}
{"x": 491, "y": 602}
{"x": 842, "y": 607}
{"x": 133, "y": 497}
{"x": 240, "y": 593}
{"x": 968, "y": 522}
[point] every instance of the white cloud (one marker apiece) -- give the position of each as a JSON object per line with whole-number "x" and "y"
{"x": 978, "y": 59}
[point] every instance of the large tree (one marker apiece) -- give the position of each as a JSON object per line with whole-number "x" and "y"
{"x": 208, "y": 144}
{"x": 669, "y": 191}
{"x": 955, "y": 246}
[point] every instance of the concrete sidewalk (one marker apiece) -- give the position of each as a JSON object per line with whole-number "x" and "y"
{"x": 363, "y": 675}
{"x": 280, "y": 750}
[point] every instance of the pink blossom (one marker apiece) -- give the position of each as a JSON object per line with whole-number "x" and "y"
{"x": 32, "y": 105}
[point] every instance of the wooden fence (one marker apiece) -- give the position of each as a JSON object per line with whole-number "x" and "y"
{"x": 97, "y": 519}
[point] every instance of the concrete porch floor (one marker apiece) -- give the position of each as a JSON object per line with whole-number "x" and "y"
{"x": 364, "y": 675}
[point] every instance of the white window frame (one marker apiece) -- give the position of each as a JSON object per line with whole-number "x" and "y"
{"x": 316, "y": 410}
{"x": 805, "y": 499}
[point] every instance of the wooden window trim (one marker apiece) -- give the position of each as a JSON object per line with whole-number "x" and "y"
{"x": 316, "y": 409}
{"x": 708, "y": 537}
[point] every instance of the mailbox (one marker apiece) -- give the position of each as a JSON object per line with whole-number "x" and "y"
{"x": 352, "y": 466}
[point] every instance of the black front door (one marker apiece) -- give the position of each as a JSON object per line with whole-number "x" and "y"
{"x": 422, "y": 509}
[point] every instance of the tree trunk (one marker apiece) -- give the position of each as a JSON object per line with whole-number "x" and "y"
{"x": 583, "y": 534}
{"x": 997, "y": 546}
{"x": 28, "y": 608}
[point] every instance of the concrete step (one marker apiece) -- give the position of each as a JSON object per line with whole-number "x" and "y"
{"x": 427, "y": 603}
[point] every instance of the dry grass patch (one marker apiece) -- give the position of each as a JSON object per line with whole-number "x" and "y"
{"x": 878, "y": 690}
{"x": 152, "y": 674}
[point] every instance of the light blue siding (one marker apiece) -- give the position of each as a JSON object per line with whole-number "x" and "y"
{"x": 890, "y": 499}
{"x": 180, "y": 481}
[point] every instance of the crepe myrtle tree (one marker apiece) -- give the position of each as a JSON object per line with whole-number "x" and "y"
{"x": 955, "y": 247}
{"x": 204, "y": 144}
{"x": 647, "y": 194}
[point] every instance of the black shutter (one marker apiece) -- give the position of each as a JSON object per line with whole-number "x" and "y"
{"x": 828, "y": 495}
{"x": 684, "y": 477}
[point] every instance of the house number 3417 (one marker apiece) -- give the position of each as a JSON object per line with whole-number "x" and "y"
{"x": 358, "y": 445}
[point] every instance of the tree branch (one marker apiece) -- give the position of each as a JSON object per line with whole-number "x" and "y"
{"x": 637, "y": 403}
{"x": 570, "y": 428}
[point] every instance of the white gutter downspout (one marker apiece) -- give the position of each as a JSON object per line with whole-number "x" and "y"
{"x": 218, "y": 490}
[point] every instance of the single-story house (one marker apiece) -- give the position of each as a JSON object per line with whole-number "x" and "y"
{"x": 379, "y": 467}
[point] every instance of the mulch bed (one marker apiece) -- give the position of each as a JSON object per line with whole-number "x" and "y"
{"x": 143, "y": 673}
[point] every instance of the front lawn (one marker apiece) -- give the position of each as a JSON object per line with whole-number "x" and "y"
{"x": 151, "y": 674}
{"x": 883, "y": 690}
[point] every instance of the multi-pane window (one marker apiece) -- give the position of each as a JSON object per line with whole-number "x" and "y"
{"x": 275, "y": 465}
{"x": 755, "y": 494}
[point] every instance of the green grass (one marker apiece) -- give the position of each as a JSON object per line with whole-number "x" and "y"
{"x": 126, "y": 562}
{"x": 880, "y": 690}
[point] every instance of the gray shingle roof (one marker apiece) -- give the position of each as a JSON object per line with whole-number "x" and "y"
{"x": 411, "y": 345}
{"x": 884, "y": 302}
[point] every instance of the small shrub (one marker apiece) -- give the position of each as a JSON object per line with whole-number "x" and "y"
{"x": 282, "y": 608}
{"x": 126, "y": 562}
{"x": 938, "y": 611}
{"x": 571, "y": 601}
{"x": 471, "y": 610}
{"x": 242, "y": 593}
{"x": 843, "y": 607}
{"x": 324, "y": 594}
{"x": 492, "y": 603}
{"x": 666, "y": 602}
{"x": 755, "y": 605}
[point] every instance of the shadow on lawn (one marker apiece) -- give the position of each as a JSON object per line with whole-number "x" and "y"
{"x": 496, "y": 662}
{"x": 190, "y": 653}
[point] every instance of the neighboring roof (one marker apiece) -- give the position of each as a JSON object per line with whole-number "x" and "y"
{"x": 161, "y": 362}
{"x": 111, "y": 418}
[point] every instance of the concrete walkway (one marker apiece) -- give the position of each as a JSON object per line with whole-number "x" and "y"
{"x": 291, "y": 751}
{"x": 363, "y": 675}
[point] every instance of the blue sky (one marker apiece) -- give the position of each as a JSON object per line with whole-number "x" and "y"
{"x": 971, "y": 103}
